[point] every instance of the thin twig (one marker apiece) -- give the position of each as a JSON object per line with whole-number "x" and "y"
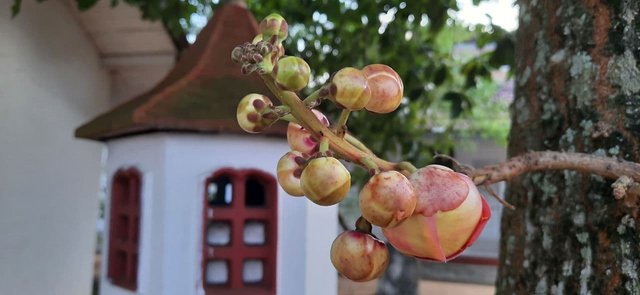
{"x": 500, "y": 200}
{"x": 456, "y": 166}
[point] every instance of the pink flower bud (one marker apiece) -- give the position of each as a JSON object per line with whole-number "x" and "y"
{"x": 289, "y": 173}
{"x": 386, "y": 88}
{"x": 359, "y": 256}
{"x": 274, "y": 25}
{"x": 387, "y": 199}
{"x": 449, "y": 216}
{"x": 300, "y": 139}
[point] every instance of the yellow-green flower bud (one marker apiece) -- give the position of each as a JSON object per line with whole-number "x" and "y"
{"x": 349, "y": 89}
{"x": 292, "y": 73}
{"x": 249, "y": 113}
{"x": 325, "y": 181}
{"x": 274, "y": 25}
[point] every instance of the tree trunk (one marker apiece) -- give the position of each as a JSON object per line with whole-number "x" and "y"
{"x": 577, "y": 89}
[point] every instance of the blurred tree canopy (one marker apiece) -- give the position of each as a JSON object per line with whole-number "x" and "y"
{"x": 446, "y": 66}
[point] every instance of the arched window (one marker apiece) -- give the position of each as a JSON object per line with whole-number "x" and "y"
{"x": 240, "y": 234}
{"x": 124, "y": 228}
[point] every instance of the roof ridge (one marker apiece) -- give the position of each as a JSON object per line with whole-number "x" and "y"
{"x": 201, "y": 91}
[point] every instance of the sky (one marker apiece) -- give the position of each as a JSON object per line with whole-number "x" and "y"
{"x": 503, "y": 12}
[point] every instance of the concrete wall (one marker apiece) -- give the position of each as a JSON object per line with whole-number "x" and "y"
{"x": 51, "y": 81}
{"x": 175, "y": 167}
{"x": 480, "y": 153}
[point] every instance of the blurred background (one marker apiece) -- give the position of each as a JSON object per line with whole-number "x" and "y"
{"x": 122, "y": 170}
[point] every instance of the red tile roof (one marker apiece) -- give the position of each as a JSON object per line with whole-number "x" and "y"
{"x": 201, "y": 92}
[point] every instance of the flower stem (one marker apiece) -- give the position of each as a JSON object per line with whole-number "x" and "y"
{"x": 282, "y": 110}
{"x": 404, "y": 165}
{"x": 309, "y": 121}
{"x": 357, "y": 143}
{"x": 341, "y": 124}
{"x": 370, "y": 164}
{"x": 363, "y": 225}
{"x": 314, "y": 99}
{"x": 289, "y": 118}
{"x": 406, "y": 168}
{"x": 324, "y": 146}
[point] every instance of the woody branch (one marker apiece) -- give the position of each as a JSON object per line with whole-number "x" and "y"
{"x": 626, "y": 173}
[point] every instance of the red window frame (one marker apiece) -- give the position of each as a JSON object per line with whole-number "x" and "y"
{"x": 124, "y": 228}
{"x": 236, "y": 214}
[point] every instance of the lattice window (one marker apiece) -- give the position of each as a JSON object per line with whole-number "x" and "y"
{"x": 240, "y": 232}
{"x": 124, "y": 229}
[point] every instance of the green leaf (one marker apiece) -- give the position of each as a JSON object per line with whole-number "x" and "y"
{"x": 86, "y": 4}
{"x": 15, "y": 8}
{"x": 459, "y": 102}
{"x": 441, "y": 75}
{"x": 504, "y": 54}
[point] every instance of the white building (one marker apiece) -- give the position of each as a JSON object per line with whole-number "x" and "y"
{"x": 194, "y": 205}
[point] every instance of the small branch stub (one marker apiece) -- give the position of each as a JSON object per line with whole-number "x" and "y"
{"x": 625, "y": 186}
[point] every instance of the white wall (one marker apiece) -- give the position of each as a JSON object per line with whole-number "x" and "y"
{"x": 178, "y": 165}
{"x": 51, "y": 81}
{"x": 146, "y": 153}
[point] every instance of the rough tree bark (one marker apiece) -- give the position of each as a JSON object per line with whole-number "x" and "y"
{"x": 578, "y": 89}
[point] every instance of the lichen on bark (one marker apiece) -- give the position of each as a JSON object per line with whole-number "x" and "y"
{"x": 578, "y": 90}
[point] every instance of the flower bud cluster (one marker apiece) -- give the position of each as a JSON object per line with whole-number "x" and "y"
{"x": 307, "y": 170}
{"x": 254, "y": 57}
{"x": 432, "y": 213}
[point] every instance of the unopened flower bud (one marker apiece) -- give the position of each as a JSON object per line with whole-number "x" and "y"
{"x": 300, "y": 139}
{"x": 247, "y": 69}
{"x": 387, "y": 199}
{"x": 289, "y": 173}
{"x": 236, "y": 54}
{"x": 256, "y": 58}
{"x": 249, "y": 117}
{"x": 264, "y": 48}
{"x": 386, "y": 88}
{"x": 292, "y": 73}
{"x": 359, "y": 256}
{"x": 325, "y": 181}
{"x": 349, "y": 89}
{"x": 274, "y": 25}
{"x": 449, "y": 216}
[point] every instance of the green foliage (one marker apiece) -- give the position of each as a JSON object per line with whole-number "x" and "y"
{"x": 447, "y": 79}
{"x": 417, "y": 39}
{"x": 15, "y": 8}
